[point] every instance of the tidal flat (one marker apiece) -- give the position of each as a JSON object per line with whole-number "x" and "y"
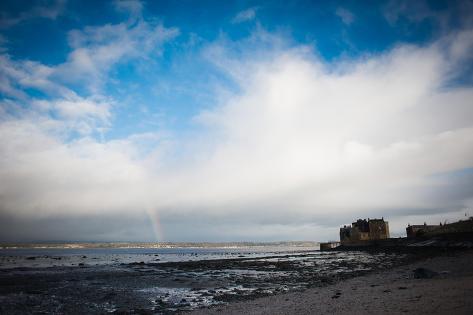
{"x": 441, "y": 282}
{"x": 155, "y": 282}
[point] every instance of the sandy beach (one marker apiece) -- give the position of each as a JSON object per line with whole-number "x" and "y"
{"x": 444, "y": 288}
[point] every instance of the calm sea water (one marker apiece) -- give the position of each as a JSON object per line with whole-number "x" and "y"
{"x": 48, "y": 257}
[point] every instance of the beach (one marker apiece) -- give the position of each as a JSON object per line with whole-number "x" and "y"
{"x": 253, "y": 280}
{"x": 157, "y": 281}
{"x": 435, "y": 285}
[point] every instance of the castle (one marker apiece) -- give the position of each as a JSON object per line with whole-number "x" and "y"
{"x": 364, "y": 230}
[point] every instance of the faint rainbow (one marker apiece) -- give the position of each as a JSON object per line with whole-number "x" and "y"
{"x": 155, "y": 224}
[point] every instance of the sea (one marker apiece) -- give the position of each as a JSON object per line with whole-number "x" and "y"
{"x": 96, "y": 254}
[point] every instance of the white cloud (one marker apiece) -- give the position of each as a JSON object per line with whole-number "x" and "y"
{"x": 298, "y": 125}
{"x": 17, "y": 75}
{"x": 44, "y": 9}
{"x": 133, "y": 7}
{"x": 76, "y": 178}
{"x": 301, "y": 142}
{"x": 96, "y": 49}
{"x": 82, "y": 115}
{"x": 345, "y": 15}
{"x": 245, "y": 15}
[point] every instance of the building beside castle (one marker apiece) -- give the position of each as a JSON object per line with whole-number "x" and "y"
{"x": 364, "y": 230}
{"x": 420, "y": 230}
{"x": 424, "y": 230}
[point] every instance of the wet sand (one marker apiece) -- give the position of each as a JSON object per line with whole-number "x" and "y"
{"x": 287, "y": 283}
{"x": 163, "y": 287}
{"x": 443, "y": 286}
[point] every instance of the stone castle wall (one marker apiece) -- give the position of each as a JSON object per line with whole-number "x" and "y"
{"x": 364, "y": 230}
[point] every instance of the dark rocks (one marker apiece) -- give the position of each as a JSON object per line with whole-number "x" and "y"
{"x": 327, "y": 280}
{"x": 424, "y": 273}
{"x": 141, "y": 311}
{"x": 108, "y": 296}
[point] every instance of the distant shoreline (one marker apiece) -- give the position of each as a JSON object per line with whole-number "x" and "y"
{"x": 65, "y": 245}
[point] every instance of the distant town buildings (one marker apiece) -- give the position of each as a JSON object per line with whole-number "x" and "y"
{"x": 364, "y": 230}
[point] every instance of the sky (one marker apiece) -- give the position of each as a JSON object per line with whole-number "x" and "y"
{"x": 232, "y": 120}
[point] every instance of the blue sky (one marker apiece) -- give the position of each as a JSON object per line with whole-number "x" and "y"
{"x": 167, "y": 81}
{"x": 232, "y": 120}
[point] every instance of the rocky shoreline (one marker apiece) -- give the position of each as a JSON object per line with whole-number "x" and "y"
{"x": 436, "y": 283}
{"x": 167, "y": 287}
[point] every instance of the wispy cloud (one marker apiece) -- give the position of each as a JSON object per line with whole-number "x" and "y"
{"x": 133, "y": 7}
{"x": 245, "y": 15}
{"x": 82, "y": 115}
{"x": 43, "y": 9}
{"x": 419, "y": 11}
{"x": 94, "y": 52}
{"x": 345, "y": 15}
{"x": 96, "y": 49}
